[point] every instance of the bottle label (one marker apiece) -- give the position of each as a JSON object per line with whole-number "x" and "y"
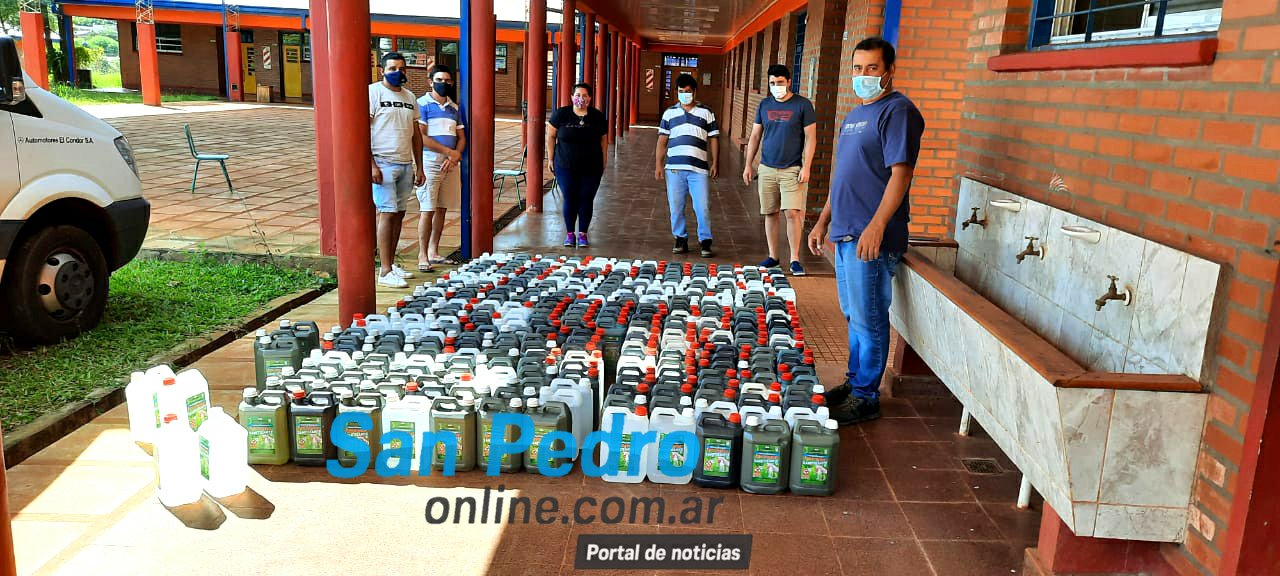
{"x": 538, "y": 433}
{"x": 204, "y": 457}
{"x": 355, "y": 431}
{"x": 197, "y": 410}
{"x": 624, "y": 453}
{"x": 309, "y": 434}
{"x": 155, "y": 405}
{"x": 678, "y": 451}
{"x": 486, "y": 430}
{"x": 717, "y": 456}
{"x": 404, "y": 427}
{"x": 457, "y": 435}
{"x": 262, "y": 435}
{"x": 765, "y": 463}
{"x": 814, "y": 464}
{"x": 271, "y": 365}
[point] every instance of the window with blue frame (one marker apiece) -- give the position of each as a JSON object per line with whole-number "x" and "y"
{"x": 1057, "y": 23}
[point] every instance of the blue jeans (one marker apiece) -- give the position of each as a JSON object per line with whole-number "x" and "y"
{"x": 397, "y": 184}
{"x": 866, "y": 290}
{"x": 683, "y": 183}
{"x": 579, "y": 194}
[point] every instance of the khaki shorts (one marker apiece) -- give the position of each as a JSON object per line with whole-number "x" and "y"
{"x": 780, "y": 188}
{"x": 441, "y": 189}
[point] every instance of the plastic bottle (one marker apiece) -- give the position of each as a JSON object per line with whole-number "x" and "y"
{"x": 193, "y": 390}
{"x": 311, "y": 420}
{"x": 271, "y": 353}
{"x": 177, "y": 462}
{"x": 367, "y": 402}
{"x": 766, "y": 454}
{"x": 665, "y": 421}
{"x": 456, "y": 415}
{"x": 144, "y": 414}
{"x": 720, "y": 438}
{"x": 411, "y": 414}
{"x": 815, "y": 448}
{"x": 484, "y": 417}
{"x": 632, "y": 467}
{"x": 265, "y": 417}
{"x": 224, "y": 455}
{"x": 546, "y": 419}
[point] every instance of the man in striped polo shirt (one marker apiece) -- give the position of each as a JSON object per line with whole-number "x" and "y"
{"x": 688, "y": 151}
{"x": 443, "y": 140}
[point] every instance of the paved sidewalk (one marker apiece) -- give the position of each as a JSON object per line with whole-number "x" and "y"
{"x": 275, "y": 207}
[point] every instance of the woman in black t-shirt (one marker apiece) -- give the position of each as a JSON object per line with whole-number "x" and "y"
{"x": 578, "y": 138}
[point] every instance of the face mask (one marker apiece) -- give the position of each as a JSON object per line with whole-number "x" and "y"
{"x": 686, "y": 98}
{"x": 579, "y": 102}
{"x": 867, "y": 87}
{"x": 394, "y": 78}
{"x": 442, "y": 89}
{"x": 778, "y": 91}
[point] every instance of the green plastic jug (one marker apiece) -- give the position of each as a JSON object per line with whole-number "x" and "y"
{"x": 815, "y": 449}
{"x": 271, "y": 353}
{"x": 721, "y": 440}
{"x": 266, "y": 417}
{"x": 546, "y": 419}
{"x": 489, "y": 407}
{"x": 766, "y": 455}
{"x": 311, "y": 419}
{"x": 456, "y": 415}
{"x": 367, "y": 403}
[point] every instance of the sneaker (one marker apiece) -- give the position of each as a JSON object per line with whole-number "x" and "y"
{"x": 582, "y": 240}
{"x": 837, "y": 395}
{"x": 855, "y": 410}
{"x": 796, "y": 268}
{"x": 682, "y": 245}
{"x": 569, "y": 240}
{"x": 392, "y": 280}
{"x": 401, "y": 272}
{"x": 769, "y": 262}
{"x": 706, "y": 248}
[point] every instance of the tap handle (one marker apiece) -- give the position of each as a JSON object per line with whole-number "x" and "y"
{"x": 1032, "y": 238}
{"x": 975, "y": 212}
{"x": 1113, "y": 278}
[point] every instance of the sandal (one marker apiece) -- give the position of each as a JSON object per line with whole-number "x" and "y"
{"x": 425, "y": 268}
{"x": 445, "y": 261}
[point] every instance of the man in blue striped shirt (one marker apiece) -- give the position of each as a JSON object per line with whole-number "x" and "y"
{"x": 688, "y": 151}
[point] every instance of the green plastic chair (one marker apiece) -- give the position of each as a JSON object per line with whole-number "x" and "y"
{"x": 221, "y": 159}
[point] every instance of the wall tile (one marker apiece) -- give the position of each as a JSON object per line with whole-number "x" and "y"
{"x": 1086, "y": 416}
{"x": 1152, "y": 447}
{"x": 1195, "y": 313}
{"x": 1141, "y": 523}
{"x": 1086, "y": 514}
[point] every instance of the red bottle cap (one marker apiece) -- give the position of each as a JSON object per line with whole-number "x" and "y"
{"x": 735, "y": 418}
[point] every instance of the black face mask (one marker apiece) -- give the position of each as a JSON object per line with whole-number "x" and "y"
{"x": 443, "y": 89}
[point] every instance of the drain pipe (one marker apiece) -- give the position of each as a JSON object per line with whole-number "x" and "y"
{"x": 1024, "y": 494}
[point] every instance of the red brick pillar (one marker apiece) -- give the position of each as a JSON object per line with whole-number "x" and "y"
{"x": 149, "y": 64}
{"x": 35, "y": 61}
{"x": 480, "y": 135}
{"x": 589, "y": 51}
{"x": 535, "y": 82}
{"x": 568, "y": 53}
{"x": 322, "y": 104}
{"x": 1060, "y": 552}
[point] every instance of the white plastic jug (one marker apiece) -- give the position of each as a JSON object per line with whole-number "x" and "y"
{"x": 665, "y": 421}
{"x": 579, "y": 403}
{"x": 141, "y": 396}
{"x": 193, "y": 390}
{"x": 411, "y": 414}
{"x": 631, "y": 468}
{"x": 224, "y": 455}
{"x": 177, "y": 462}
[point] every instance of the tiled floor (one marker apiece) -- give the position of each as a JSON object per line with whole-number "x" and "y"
{"x": 905, "y": 504}
{"x": 275, "y": 206}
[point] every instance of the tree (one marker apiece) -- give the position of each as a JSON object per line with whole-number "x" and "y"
{"x": 9, "y": 16}
{"x": 106, "y": 45}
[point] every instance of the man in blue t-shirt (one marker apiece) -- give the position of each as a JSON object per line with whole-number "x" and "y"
{"x": 866, "y": 213}
{"x": 787, "y": 124}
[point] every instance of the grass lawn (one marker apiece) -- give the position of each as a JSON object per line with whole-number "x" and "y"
{"x": 81, "y": 97}
{"x": 153, "y": 307}
{"x": 111, "y": 80}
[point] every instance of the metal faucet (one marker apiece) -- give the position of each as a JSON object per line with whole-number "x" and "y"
{"x": 973, "y": 220}
{"x": 1031, "y": 249}
{"x": 1112, "y": 294}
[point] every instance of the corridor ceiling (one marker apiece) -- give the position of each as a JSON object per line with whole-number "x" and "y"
{"x": 692, "y": 22}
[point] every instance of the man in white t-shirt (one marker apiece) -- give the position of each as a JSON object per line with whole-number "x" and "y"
{"x": 396, "y": 161}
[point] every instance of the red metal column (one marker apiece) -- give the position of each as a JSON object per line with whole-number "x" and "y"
{"x": 322, "y": 100}
{"x": 535, "y": 85}
{"x": 615, "y": 84}
{"x": 480, "y": 133}
{"x": 622, "y": 85}
{"x": 635, "y": 85}
{"x": 602, "y": 78}
{"x": 348, "y": 26}
{"x": 148, "y": 64}
{"x": 235, "y": 70}
{"x": 589, "y": 52}
{"x": 35, "y": 61}
{"x": 568, "y": 53}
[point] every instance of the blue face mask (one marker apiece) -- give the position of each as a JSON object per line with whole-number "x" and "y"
{"x": 868, "y": 87}
{"x": 394, "y": 77}
{"x": 686, "y": 98}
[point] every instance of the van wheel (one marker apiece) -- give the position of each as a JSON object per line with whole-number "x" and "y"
{"x": 55, "y": 285}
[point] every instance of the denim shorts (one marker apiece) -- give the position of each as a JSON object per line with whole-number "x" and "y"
{"x": 392, "y": 195}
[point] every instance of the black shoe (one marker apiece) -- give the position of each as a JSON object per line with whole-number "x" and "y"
{"x": 837, "y": 395}
{"x": 706, "y": 248}
{"x": 682, "y": 245}
{"x": 855, "y": 410}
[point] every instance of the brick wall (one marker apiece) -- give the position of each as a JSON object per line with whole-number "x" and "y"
{"x": 823, "y": 41}
{"x": 195, "y": 70}
{"x": 1189, "y": 157}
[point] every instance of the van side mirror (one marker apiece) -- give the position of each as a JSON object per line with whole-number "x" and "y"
{"x": 12, "y": 88}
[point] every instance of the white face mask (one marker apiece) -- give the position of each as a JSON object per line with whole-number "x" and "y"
{"x": 686, "y": 98}
{"x": 778, "y": 91}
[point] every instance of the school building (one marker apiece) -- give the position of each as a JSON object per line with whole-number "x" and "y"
{"x": 1156, "y": 121}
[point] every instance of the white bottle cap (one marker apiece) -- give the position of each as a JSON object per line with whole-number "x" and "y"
{"x": 641, "y": 400}
{"x": 819, "y": 389}
{"x": 285, "y": 324}
{"x": 832, "y": 425}
{"x": 467, "y": 400}
{"x": 530, "y": 391}
{"x": 264, "y": 340}
{"x": 287, "y": 371}
{"x": 516, "y": 403}
{"x": 686, "y": 401}
{"x": 754, "y": 420}
{"x": 532, "y": 403}
{"x": 702, "y": 403}
{"x": 249, "y": 393}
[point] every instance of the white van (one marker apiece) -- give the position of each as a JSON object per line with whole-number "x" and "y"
{"x": 71, "y": 209}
